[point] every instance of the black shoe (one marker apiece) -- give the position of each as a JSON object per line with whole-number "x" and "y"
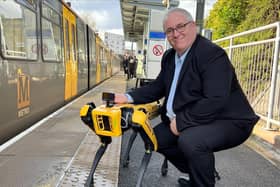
{"x": 184, "y": 181}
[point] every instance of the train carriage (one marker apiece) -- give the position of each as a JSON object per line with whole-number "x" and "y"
{"x": 116, "y": 65}
{"x": 100, "y": 61}
{"x": 93, "y": 70}
{"x": 48, "y": 57}
{"x": 82, "y": 56}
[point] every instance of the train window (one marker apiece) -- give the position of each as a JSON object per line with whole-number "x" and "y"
{"x": 28, "y": 3}
{"x": 50, "y": 14}
{"x": 32, "y": 2}
{"x": 102, "y": 55}
{"x": 51, "y": 34}
{"x": 74, "y": 47}
{"x": 93, "y": 48}
{"x": 90, "y": 41}
{"x": 18, "y": 31}
{"x": 67, "y": 46}
{"x": 81, "y": 43}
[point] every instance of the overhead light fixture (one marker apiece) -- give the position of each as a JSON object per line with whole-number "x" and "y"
{"x": 165, "y": 3}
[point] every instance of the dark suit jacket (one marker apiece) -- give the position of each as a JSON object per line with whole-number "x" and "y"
{"x": 207, "y": 88}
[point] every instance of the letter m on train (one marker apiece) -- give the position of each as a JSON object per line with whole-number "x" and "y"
{"x": 23, "y": 90}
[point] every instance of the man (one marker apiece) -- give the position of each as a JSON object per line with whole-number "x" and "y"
{"x": 125, "y": 65}
{"x": 205, "y": 109}
{"x": 135, "y": 65}
{"x": 131, "y": 64}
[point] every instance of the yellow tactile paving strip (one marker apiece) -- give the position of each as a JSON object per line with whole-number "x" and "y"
{"x": 267, "y": 135}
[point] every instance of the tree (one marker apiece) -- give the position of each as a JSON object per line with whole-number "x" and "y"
{"x": 226, "y": 16}
{"x": 232, "y": 16}
{"x": 260, "y": 13}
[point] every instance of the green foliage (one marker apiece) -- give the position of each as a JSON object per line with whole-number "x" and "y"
{"x": 260, "y": 13}
{"x": 233, "y": 16}
{"x": 225, "y": 16}
{"x": 253, "y": 64}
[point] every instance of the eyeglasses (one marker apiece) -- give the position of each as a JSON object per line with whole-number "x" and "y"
{"x": 179, "y": 28}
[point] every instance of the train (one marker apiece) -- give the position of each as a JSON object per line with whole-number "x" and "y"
{"x": 48, "y": 57}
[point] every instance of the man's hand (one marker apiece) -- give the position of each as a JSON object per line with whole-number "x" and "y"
{"x": 173, "y": 127}
{"x": 120, "y": 98}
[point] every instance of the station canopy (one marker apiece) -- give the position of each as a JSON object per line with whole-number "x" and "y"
{"x": 135, "y": 14}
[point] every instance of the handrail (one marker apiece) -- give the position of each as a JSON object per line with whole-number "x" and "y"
{"x": 256, "y": 64}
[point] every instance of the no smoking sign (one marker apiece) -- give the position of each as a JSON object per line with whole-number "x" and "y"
{"x": 155, "y": 50}
{"x": 158, "y": 50}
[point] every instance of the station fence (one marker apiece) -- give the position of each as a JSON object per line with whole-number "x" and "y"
{"x": 255, "y": 57}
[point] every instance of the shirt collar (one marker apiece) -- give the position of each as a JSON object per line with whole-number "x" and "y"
{"x": 181, "y": 58}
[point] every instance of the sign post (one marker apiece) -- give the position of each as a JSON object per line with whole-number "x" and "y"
{"x": 156, "y": 44}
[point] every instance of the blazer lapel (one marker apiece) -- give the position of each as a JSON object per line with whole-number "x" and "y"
{"x": 188, "y": 59}
{"x": 186, "y": 65}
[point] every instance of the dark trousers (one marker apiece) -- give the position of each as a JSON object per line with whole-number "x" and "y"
{"x": 131, "y": 70}
{"x": 193, "y": 150}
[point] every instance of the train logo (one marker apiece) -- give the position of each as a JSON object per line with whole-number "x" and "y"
{"x": 23, "y": 94}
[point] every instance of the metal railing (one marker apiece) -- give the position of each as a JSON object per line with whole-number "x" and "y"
{"x": 255, "y": 56}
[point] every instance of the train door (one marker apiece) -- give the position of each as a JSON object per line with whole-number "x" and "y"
{"x": 70, "y": 60}
{"x": 91, "y": 57}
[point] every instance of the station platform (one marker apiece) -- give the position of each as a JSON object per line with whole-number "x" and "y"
{"x": 58, "y": 152}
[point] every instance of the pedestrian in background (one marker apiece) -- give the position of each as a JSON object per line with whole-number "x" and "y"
{"x": 135, "y": 66}
{"x": 131, "y": 65}
{"x": 125, "y": 64}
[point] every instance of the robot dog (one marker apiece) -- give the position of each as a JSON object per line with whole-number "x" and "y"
{"x": 111, "y": 120}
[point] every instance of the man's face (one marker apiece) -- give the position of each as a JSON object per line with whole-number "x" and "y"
{"x": 179, "y": 31}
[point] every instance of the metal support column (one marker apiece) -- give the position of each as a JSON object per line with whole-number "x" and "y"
{"x": 200, "y": 4}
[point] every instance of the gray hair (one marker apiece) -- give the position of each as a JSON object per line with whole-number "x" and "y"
{"x": 180, "y": 10}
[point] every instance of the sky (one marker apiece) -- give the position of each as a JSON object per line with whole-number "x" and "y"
{"x": 107, "y": 14}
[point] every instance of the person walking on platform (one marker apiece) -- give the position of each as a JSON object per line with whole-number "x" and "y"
{"x": 135, "y": 66}
{"x": 205, "y": 109}
{"x": 131, "y": 64}
{"x": 125, "y": 64}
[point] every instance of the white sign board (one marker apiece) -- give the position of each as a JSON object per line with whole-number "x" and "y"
{"x": 155, "y": 50}
{"x": 153, "y": 69}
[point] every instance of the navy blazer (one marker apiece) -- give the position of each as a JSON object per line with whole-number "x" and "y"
{"x": 207, "y": 88}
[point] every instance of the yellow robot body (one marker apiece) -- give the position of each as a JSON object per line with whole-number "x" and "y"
{"x": 141, "y": 119}
{"x": 107, "y": 121}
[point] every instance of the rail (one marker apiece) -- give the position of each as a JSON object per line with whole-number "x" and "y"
{"x": 255, "y": 56}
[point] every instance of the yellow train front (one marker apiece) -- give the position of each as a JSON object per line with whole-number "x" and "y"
{"x": 48, "y": 57}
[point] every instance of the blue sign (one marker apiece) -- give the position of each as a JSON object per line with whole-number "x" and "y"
{"x": 157, "y": 35}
